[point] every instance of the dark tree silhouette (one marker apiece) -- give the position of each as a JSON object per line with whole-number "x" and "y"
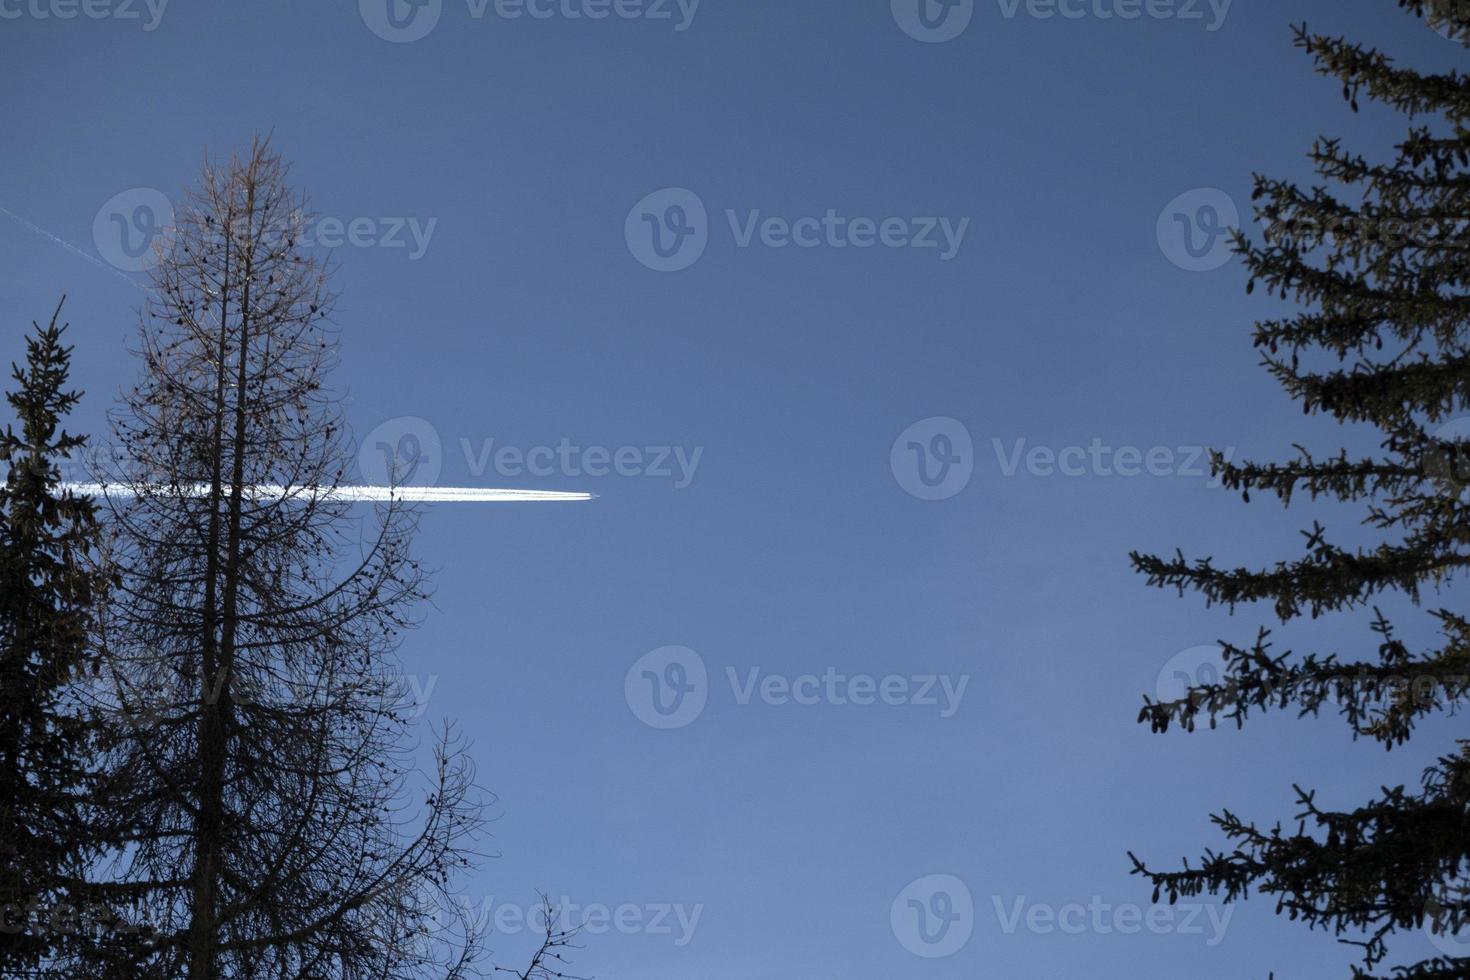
{"x": 48, "y": 589}
{"x": 254, "y": 715}
{"x": 1380, "y": 260}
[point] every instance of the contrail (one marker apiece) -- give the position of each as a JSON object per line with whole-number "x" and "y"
{"x": 69, "y": 246}
{"x": 356, "y": 494}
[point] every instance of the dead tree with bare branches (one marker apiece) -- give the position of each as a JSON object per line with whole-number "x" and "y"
{"x": 249, "y": 694}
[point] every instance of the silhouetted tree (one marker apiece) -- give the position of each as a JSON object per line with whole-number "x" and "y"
{"x": 48, "y": 588}
{"x": 252, "y": 703}
{"x": 1380, "y": 259}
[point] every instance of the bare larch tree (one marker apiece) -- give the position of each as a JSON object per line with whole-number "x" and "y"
{"x": 252, "y": 704}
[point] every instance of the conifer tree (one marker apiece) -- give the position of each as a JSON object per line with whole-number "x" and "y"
{"x": 1378, "y": 258}
{"x": 47, "y": 593}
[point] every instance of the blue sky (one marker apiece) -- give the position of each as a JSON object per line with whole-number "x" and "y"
{"x": 496, "y": 184}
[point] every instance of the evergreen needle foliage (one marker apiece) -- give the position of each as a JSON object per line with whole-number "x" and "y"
{"x": 1379, "y": 260}
{"x": 47, "y": 593}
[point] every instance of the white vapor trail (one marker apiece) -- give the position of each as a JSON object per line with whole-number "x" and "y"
{"x": 362, "y": 494}
{"x": 32, "y": 226}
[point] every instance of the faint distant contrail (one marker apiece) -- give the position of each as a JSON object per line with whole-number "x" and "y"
{"x": 69, "y": 246}
{"x": 353, "y": 494}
